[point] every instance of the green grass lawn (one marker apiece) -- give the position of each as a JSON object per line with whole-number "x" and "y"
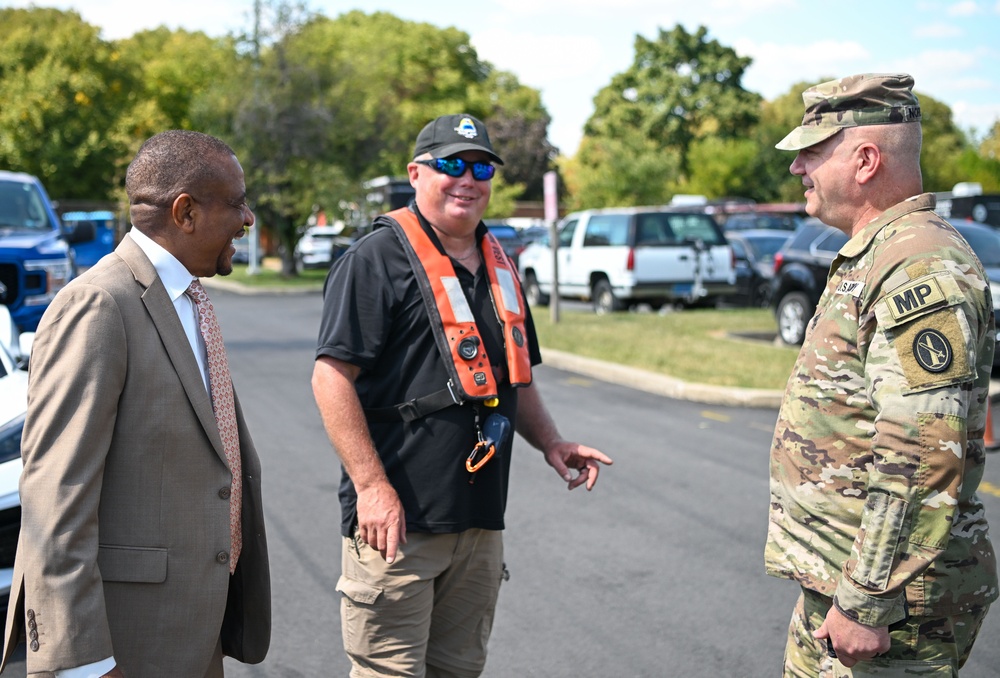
{"x": 269, "y": 276}
{"x": 692, "y": 345}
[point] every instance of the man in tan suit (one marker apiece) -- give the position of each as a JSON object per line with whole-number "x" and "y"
{"x": 130, "y": 562}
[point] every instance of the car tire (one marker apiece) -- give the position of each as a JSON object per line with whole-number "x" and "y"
{"x": 604, "y": 298}
{"x": 793, "y": 314}
{"x": 533, "y": 292}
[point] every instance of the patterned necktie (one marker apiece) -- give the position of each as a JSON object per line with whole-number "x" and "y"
{"x": 221, "y": 387}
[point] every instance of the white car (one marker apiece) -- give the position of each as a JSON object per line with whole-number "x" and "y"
{"x": 13, "y": 407}
{"x": 319, "y": 246}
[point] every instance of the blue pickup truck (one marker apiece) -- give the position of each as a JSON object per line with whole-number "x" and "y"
{"x": 36, "y": 251}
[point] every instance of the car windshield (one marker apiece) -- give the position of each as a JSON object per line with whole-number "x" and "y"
{"x": 765, "y": 248}
{"x": 676, "y": 228}
{"x": 985, "y": 243}
{"x": 22, "y": 207}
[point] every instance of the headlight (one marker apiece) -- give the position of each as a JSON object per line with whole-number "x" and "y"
{"x": 57, "y": 273}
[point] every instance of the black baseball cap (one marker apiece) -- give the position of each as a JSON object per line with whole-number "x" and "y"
{"x": 450, "y": 134}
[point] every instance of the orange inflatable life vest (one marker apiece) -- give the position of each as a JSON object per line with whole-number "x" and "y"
{"x": 458, "y": 339}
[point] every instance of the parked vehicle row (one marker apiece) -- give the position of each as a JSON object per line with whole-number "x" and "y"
{"x": 619, "y": 257}
{"x": 802, "y": 266}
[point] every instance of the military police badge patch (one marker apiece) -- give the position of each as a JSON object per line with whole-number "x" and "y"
{"x": 932, "y": 350}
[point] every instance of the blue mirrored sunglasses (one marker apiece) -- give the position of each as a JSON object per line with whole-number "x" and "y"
{"x": 455, "y": 167}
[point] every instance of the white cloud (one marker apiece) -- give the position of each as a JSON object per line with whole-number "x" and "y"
{"x": 982, "y": 117}
{"x": 776, "y": 66}
{"x": 538, "y": 59}
{"x": 938, "y": 31}
{"x": 965, "y": 8}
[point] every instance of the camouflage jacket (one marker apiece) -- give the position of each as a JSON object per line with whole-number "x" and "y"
{"x": 878, "y": 449}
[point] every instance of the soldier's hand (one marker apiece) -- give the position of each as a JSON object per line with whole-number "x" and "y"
{"x": 853, "y": 642}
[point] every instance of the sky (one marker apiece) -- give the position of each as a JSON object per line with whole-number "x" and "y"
{"x": 570, "y": 49}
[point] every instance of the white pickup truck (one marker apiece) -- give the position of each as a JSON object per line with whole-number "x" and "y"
{"x": 620, "y": 257}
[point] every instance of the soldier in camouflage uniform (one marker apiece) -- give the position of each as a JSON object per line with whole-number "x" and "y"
{"x": 878, "y": 449}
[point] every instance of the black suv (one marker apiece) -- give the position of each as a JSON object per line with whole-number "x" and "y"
{"x": 802, "y": 266}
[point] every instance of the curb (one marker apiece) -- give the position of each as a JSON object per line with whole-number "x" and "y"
{"x": 220, "y": 283}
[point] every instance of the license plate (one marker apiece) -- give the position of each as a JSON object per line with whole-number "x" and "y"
{"x": 683, "y": 288}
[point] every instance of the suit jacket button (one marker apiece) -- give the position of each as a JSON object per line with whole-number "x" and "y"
{"x": 33, "y": 634}
{"x": 224, "y": 493}
{"x": 31, "y": 614}
{"x": 34, "y": 646}
{"x": 32, "y": 624}
{"x": 223, "y": 557}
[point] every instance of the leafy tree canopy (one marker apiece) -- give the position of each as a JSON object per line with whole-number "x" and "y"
{"x": 68, "y": 102}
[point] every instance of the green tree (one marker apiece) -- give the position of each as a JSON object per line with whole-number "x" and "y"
{"x": 681, "y": 87}
{"x": 770, "y": 179}
{"x": 518, "y": 125}
{"x": 388, "y": 77}
{"x": 69, "y": 113}
{"x": 943, "y": 146}
{"x": 178, "y": 69}
{"x": 628, "y": 171}
{"x": 990, "y": 146}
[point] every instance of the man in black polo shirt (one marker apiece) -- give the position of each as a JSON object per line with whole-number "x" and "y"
{"x": 423, "y": 368}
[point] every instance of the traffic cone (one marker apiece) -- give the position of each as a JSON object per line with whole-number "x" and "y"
{"x": 988, "y": 440}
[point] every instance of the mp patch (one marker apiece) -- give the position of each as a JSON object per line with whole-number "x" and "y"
{"x": 932, "y": 351}
{"x": 914, "y": 298}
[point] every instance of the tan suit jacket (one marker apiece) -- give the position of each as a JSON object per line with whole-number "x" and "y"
{"x": 125, "y": 512}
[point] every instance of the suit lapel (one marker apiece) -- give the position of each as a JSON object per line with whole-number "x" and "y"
{"x": 164, "y": 316}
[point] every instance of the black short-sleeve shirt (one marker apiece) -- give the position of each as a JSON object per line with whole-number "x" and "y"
{"x": 374, "y": 317}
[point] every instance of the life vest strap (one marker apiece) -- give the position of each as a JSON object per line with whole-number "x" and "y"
{"x": 414, "y": 409}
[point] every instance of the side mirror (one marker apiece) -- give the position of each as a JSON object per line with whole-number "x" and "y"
{"x": 24, "y": 343}
{"x": 84, "y": 231}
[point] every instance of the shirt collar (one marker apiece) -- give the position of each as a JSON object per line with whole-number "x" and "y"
{"x": 173, "y": 274}
{"x": 863, "y": 239}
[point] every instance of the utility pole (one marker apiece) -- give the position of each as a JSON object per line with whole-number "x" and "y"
{"x": 551, "y": 197}
{"x": 254, "y": 234}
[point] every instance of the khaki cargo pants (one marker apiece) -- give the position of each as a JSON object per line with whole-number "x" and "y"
{"x": 921, "y": 646}
{"x": 427, "y": 615}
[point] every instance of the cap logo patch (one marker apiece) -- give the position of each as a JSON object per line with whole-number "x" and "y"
{"x": 467, "y": 129}
{"x": 932, "y": 351}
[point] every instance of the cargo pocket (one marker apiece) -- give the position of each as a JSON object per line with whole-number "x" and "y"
{"x": 883, "y": 517}
{"x": 357, "y": 611}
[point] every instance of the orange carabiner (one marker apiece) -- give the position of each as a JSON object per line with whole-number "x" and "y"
{"x": 481, "y": 453}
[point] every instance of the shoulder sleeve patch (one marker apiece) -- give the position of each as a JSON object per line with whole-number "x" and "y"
{"x": 914, "y": 298}
{"x": 932, "y": 351}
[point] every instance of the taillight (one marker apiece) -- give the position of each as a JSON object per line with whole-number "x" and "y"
{"x": 630, "y": 264}
{"x": 778, "y": 259}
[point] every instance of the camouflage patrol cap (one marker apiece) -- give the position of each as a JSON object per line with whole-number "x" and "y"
{"x": 854, "y": 101}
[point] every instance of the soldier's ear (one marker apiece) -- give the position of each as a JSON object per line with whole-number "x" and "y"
{"x": 869, "y": 160}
